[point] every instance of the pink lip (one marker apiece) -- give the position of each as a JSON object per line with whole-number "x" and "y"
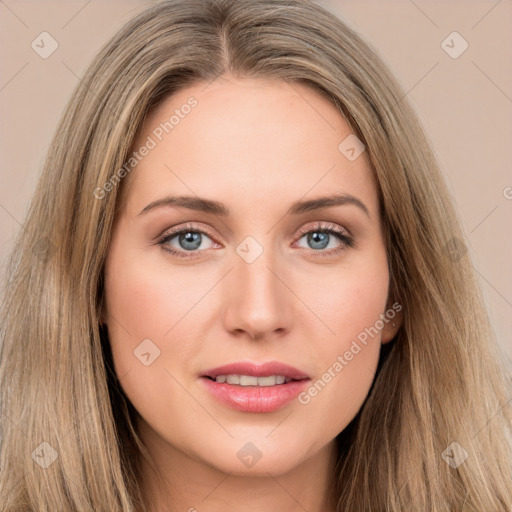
{"x": 255, "y": 399}
{"x": 256, "y": 370}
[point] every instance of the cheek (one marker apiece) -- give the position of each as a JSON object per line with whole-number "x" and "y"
{"x": 350, "y": 298}
{"x": 145, "y": 300}
{"x": 360, "y": 300}
{"x": 145, "y": 313}
{"x": 141, "y": 305}
{"x": 352, "y": 309}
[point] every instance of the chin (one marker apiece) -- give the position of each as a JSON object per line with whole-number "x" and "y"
{"x": 256, "y": 458}
{"x": 276, "y": 465}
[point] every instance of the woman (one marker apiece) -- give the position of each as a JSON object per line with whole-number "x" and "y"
{"x": 177, "y": 335}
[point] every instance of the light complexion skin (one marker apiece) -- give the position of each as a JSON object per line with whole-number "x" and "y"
{"x": 256, "y": 146}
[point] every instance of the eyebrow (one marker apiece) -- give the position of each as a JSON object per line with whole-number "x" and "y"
{"x": 218, "y": 208}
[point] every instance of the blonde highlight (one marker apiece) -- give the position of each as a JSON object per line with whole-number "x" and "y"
{"x": 441, "y": 380}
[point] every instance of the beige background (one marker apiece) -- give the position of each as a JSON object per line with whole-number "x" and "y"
{"x": 465, "y": 105}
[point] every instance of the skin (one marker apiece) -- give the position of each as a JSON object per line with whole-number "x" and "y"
{"x": 257, "y": 146}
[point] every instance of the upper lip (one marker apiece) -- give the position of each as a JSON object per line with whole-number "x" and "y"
{"x": 256, "y": 370}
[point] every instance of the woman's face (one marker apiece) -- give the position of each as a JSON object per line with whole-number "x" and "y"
{"x": 253, "y": 279}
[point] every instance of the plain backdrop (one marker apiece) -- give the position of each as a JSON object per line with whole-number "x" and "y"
{"x": 464, "y": 102}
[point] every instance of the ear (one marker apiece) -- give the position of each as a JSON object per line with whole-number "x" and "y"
{"x": 393, "y": 319}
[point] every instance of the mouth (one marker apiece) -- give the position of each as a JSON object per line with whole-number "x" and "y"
{"x": 255, "y": 388}
{"x": 245, "y": 371}
{"x": 252, "y": 380}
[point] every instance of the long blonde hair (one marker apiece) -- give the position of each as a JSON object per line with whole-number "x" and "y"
{"x": 68, "y": 441}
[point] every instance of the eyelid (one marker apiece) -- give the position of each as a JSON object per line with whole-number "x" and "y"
{"x": 323, "y": 226}
{"x": 187, "y": 227}
{"x": 319, "y": 225}
{"x": 343, "y": 234}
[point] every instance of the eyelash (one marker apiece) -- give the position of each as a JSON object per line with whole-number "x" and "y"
{"x": 346, "y": 239}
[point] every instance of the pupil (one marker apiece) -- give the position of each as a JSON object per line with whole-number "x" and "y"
{"x": 190, "y": 238}
{"x": 319, "y": 237}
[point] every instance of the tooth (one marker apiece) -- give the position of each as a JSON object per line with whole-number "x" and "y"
{"x": 251, "y": 380}
{"x": 233, "y": 379}
{"x": 248, "y": 380}
{"x": 267, "y": 381}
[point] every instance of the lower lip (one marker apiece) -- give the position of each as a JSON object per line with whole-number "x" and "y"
{"x": 255, "y": 398}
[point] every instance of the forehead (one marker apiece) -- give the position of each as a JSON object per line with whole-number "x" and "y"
{"x": 246, "y": 140}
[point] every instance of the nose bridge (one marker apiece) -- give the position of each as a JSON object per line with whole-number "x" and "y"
{"x": 255, "y": 272}
{"x": 257, "y": 299}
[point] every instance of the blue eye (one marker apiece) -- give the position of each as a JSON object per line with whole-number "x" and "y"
{"x": 320, "y": 236}
{"x": 190, "y": 240}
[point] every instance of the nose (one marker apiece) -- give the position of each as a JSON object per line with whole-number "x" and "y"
{"x": 258, "y": 302}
